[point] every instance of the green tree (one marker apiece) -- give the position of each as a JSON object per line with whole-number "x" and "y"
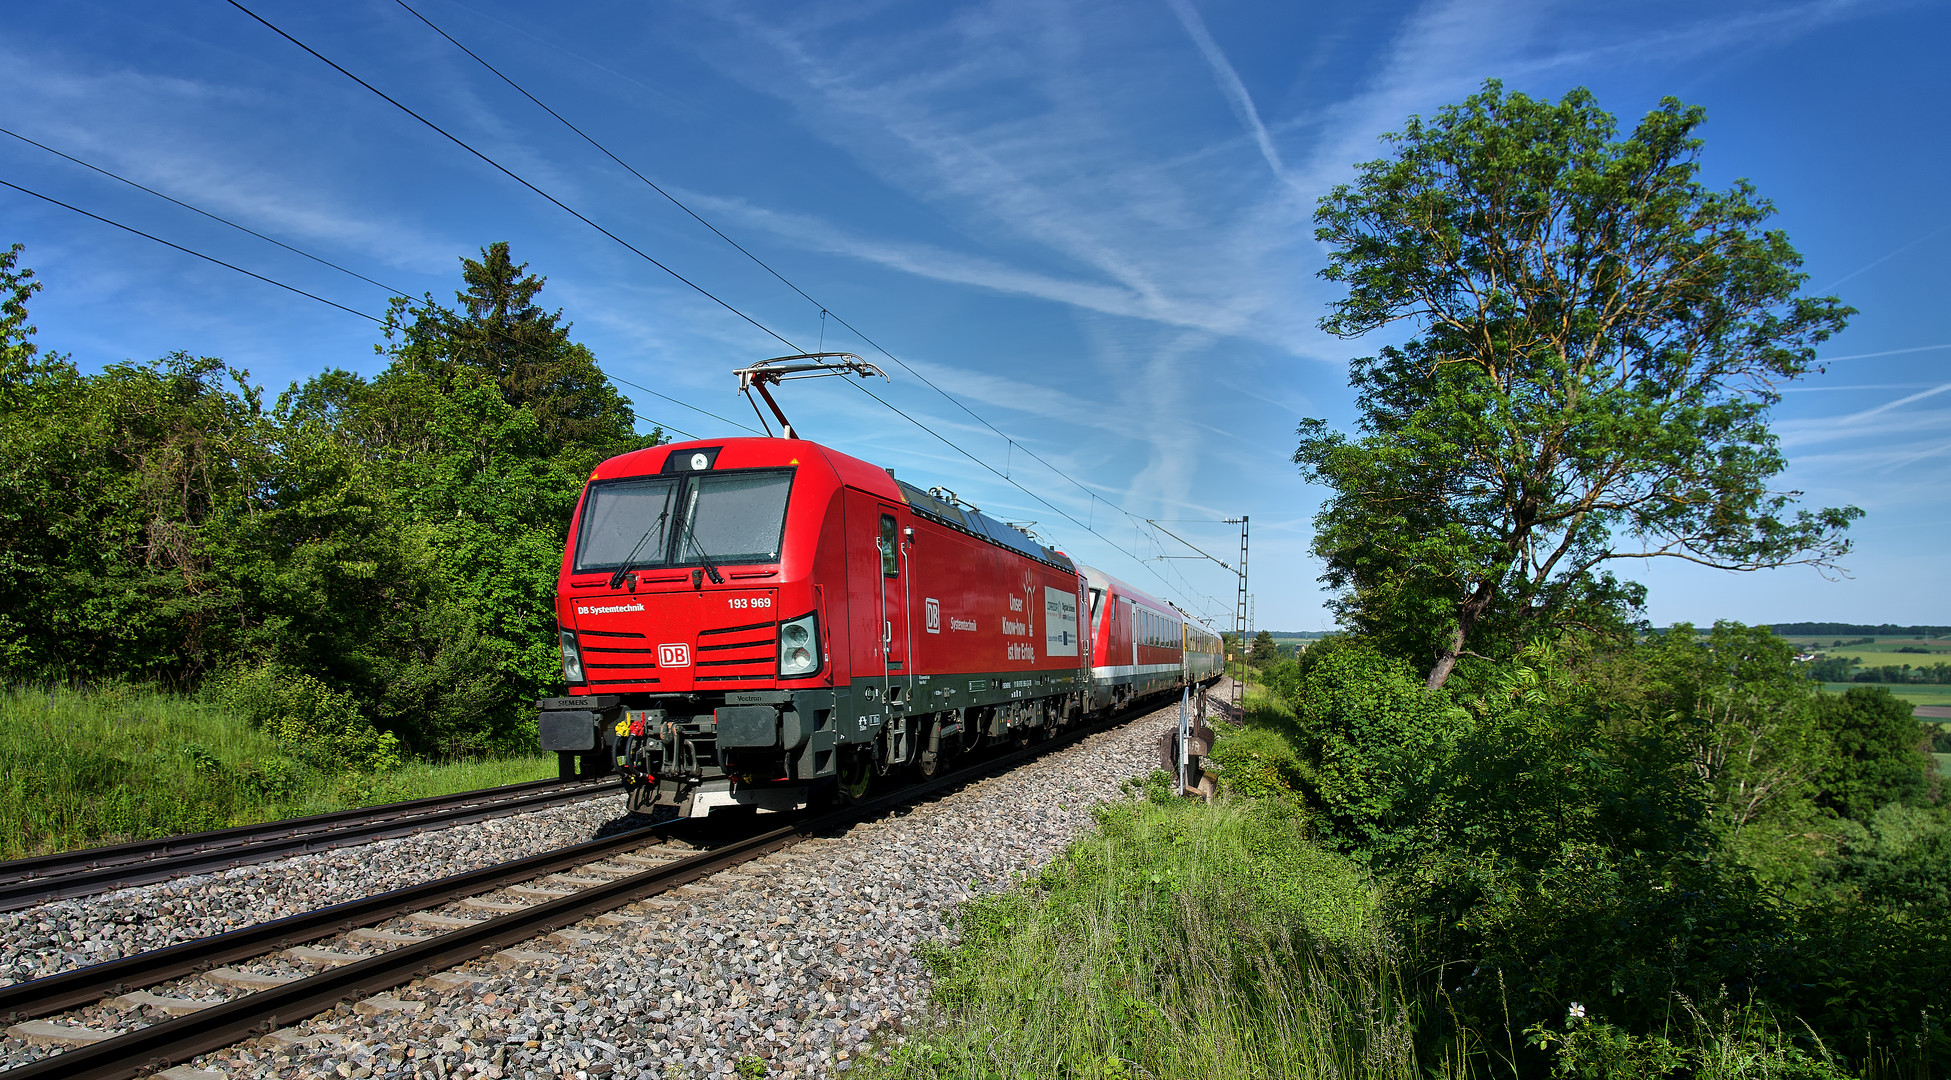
{"x": 1265, "y": 649}
{"x": 395, "y": 540}
{"x": 482, "y": 428}
{"x": 1598, "y": 338}
{"x": 1878, "y": 755}
{"x": 113, "y": 488}
{"x": 524, "y": 350}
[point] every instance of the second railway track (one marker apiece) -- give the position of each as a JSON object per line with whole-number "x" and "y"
{"x": 37, "y": 880}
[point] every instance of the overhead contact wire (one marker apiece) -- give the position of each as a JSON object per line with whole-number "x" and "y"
{"x": 767, "y": 267}
{"x": 512, "y": 175}
{"x": 190, "y": 251}
{"x": 205, "y": 213}
{"x": 945, "y": 441}
{"x": 293, "y": 288}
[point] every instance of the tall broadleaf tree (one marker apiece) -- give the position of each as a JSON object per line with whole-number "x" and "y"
{"x": 1597, "y": 340}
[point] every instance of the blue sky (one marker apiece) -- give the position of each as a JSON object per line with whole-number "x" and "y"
{"x": 1087, "y": 221}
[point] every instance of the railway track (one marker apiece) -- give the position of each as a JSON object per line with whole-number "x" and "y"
{"x": 604, "y": 874}
{"x": 37, "y": 880}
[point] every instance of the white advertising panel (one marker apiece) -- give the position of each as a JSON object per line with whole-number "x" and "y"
{"x": 1059, "y": 622}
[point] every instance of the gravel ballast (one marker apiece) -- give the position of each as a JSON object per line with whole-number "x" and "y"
{"x": 54, "y": 937}
{"x": 799, "y": 959}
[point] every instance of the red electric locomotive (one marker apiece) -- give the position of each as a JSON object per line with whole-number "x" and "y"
{"x": 747, "y": 621}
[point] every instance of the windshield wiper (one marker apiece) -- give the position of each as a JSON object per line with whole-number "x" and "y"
{"x": 616, "y": 579}
{"x": 703, "y": 559}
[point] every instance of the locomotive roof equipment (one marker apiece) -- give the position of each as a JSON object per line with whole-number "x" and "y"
{"x": 781, "y": 369}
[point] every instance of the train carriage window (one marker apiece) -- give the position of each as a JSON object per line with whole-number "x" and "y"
{"x": 890, "y": 555}
{"x": 1097, "y": 602}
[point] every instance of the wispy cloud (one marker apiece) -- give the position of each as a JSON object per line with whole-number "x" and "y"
{"x": 960, "y": 268}
{"x": 1854, "y": 418}
{"x": 1809, "y": 432}
{"x": 1231, "y": 87}
{"x": 1884, "y": 352}
{"x": 1874, "y": 263}
{"x": 1029, "y": 130}
{"x": 172, "y": 134}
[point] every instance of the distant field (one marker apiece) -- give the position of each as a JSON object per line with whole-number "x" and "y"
{"x": 1883, "y": 651}
{"x": 1916, "y": 695}
{"x": 1882, "y": 656}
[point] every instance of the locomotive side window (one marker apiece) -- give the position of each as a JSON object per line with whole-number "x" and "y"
{"x": 890, "y": 557}
{"x": 625, "y": 523}
{"x": 1097, "y": 603}
{"x": 735, "y": 516}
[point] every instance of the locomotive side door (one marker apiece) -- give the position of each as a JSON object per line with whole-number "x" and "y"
{"x": 894, "y": 594}
{"x": 877, "y": 606}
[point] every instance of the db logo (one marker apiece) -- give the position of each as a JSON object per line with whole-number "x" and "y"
{"x": 678, "y": 655}
{"x": 931, "y": 611}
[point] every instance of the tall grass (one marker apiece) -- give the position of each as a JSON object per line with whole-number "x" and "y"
{"x": 81, "y": 769}
{"x": 1179, "y": 940}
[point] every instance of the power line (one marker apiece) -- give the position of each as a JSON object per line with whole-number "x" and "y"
{"x": 824, "y": 310}
{"x": 198, "y": 254}
{"x": 945, "y": 441}
{"x": 301, "y": 292}
{"x": 686, "y": 404}
{"x": 505, "y": 171}
{"x": 205, "y": 213}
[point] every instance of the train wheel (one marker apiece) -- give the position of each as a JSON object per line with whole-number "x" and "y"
{"x": 856, "y": 773}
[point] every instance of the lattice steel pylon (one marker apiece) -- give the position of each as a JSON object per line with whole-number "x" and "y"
{"x": 1238, "y": 695}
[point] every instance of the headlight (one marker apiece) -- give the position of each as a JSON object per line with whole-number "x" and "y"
{"x": 799, "y": 646}
{"x": 572, "y": 658}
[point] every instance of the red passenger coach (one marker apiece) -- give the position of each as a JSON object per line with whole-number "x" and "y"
{"x": 1139, "y": 642}
{"x": 746, "y": 621}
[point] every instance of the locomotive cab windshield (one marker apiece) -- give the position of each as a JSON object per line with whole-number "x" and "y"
{"x": 705, "y": 520}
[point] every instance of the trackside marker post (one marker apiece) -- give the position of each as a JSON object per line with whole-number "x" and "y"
{"x": 1185, "y": 737}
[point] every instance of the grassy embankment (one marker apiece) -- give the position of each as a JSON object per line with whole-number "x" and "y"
{"x": 1196, "y": 940}
{"x": 118, "y": 763}
{"x": 1179, "y": 940}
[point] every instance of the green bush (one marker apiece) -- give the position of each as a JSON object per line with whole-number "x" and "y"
{"x": 1737, "y": 1043}
{"x": 321, "y": 725}
{"x": 1257, "y": 758}
{"x": 1369, "y": 739}
{"x": 1878, "y": 755}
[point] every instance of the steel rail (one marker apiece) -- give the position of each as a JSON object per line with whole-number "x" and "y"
{"x": 82, "y": 986}
{"x": 168, "y": 1042}
{"x": 36, "y": 880}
